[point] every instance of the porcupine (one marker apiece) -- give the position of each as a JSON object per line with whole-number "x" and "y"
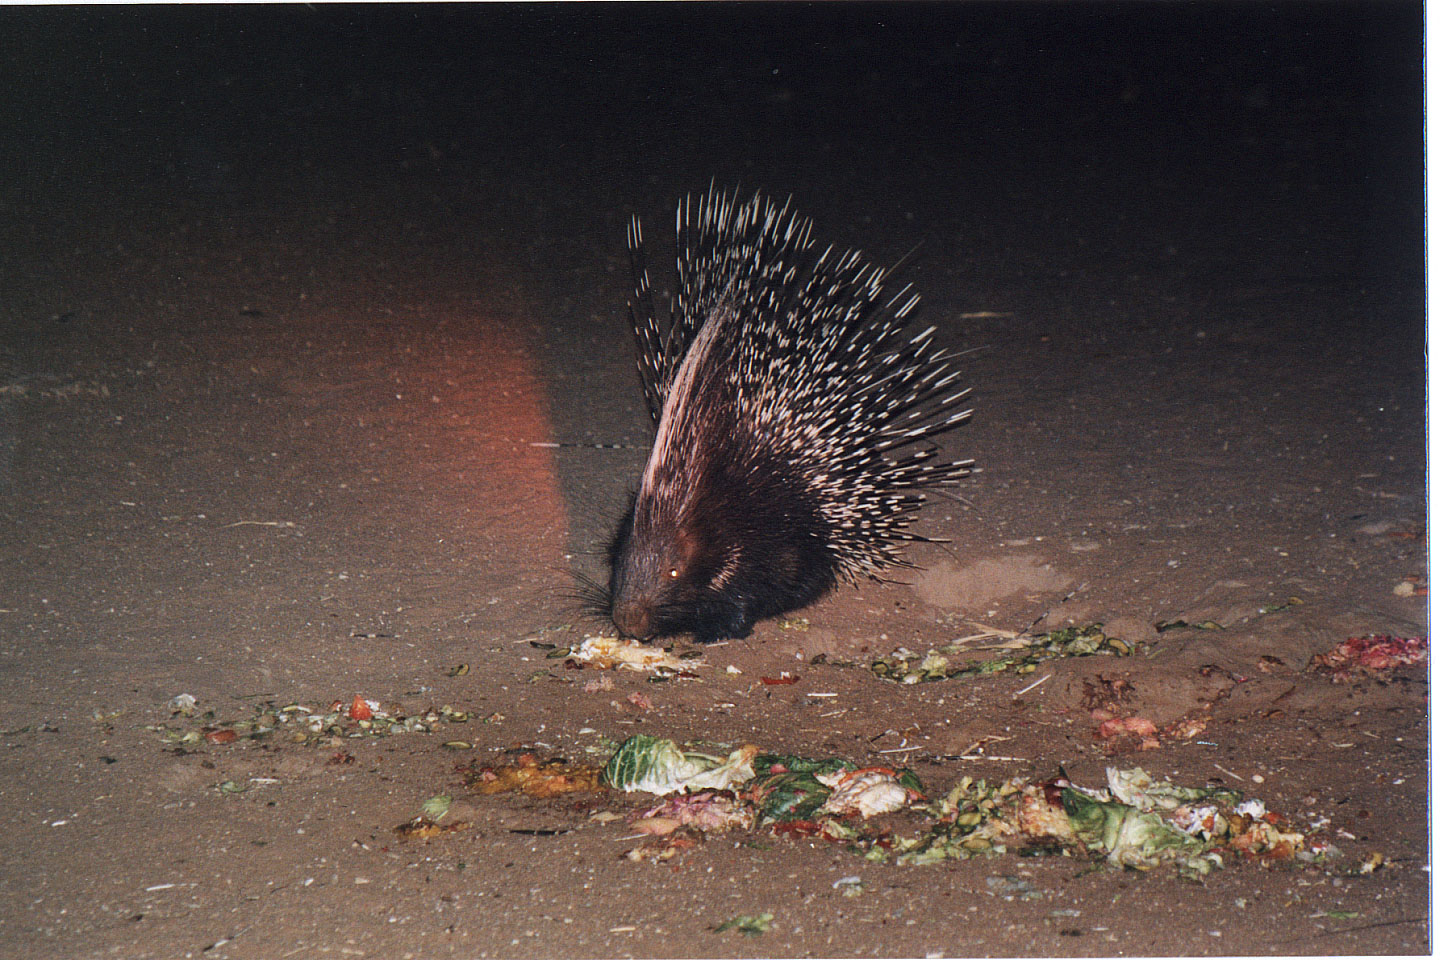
{"x": 793, "y": 410}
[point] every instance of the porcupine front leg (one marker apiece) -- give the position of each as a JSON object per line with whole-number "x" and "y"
{"x": 724, "y": 618}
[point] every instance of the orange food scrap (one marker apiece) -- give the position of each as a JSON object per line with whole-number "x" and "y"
{"x": 535, "y": 778}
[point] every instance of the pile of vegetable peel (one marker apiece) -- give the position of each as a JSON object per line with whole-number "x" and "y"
{"x": 1137, "y": 821}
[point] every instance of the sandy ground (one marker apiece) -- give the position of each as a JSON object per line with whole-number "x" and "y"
{"x": 290, "y": 297}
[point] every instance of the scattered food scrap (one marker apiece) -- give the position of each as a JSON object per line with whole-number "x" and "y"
{"x": 437, "y": 806}
{"x": 1139, "y": 822}
{"x": 301, "y": 724}
{"x": 1412, "y": 586}
{"x": 710, "y": 811}
{"x": 1374, "y": 862}
{"x": 790, "y": 789}
{"x": 426, "y": 825}
{"x": 1108, "y": 698}
{"x": 534, "y": 777}
{"x": 752, "y": 925}
{"x": 1187, "y": 727}
{"x": 796, "y": 795}
{"x": 1141, "y": 728}
{"x": 786, "y": 796}
{"x": 869, "y": 792}
{"x": 659, "y": 766}
{"x": 423, "y": 828}
{"x": 1372, "y": 656}
{"x": 182, "y": 705}
{"x": 612, "y": 653}
{"x": 657, "y": 849}
{"x": 1022, "y": 655}
{"x": 1164, "y": 625}
{"x": 1013, "y": 888}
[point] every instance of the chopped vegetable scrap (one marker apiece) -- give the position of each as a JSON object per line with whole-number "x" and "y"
{"x": 534, "y": 777}
{"x": 1285, "y": 604}
{"x": 426, "y": 825}
{"x": 868, "y": 792}
{"x": 710, "y": 811}
{"x": 790, "y": 788}
{"x": 750, "y": 925}
{"x": 1138, "y": 822}
{"x": 1164, "y": 625}
{"x": 1372, "y": 656}
{"x": 612, "y": 653}
{"x": 300, "y": 724}
{"x": 660, "y": 766}
{"x": 182, "y": 705}
{"x": 747, "y": 788}
{"x": 437, "y": 806}
{"x": 1021, "y": 655}
{"x": 657, "y": 849}
{"x": 423, "y": 828}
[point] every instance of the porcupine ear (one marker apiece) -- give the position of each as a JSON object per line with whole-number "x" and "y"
{"x": 649, "y": 336}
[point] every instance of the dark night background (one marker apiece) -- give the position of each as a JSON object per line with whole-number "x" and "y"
{"x": 1121, "y": 109}
{"x": 1158, "y": 159}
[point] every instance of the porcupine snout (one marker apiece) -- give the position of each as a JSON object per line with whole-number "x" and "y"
{"x": 668, "y": 578}
{"x": 631, "y": 611}
{"x": 632, "y": 618}
{"x": 634, "y": 593}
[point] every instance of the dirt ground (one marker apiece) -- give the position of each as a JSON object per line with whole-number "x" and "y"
{"x": 291, "y": 295}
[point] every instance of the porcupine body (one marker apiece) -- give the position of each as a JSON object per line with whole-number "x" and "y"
{"x": 792, "y": 409}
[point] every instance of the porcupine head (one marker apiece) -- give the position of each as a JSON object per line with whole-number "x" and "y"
{"x": 721, "y": 532}
{"x": 782, "y": 384}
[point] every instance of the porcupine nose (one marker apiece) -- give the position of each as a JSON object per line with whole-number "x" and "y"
{"x": 632, "y": 619}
